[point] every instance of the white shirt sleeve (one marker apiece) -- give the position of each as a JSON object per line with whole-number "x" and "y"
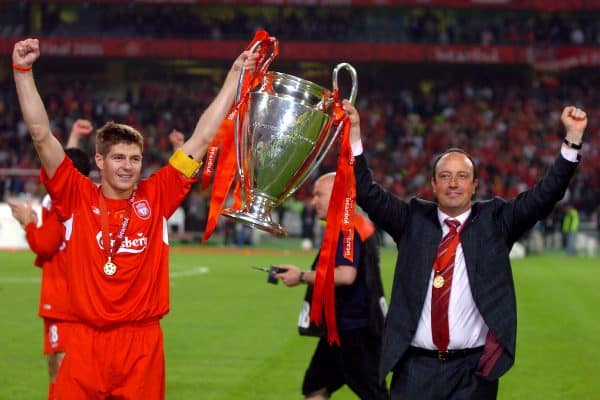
{"x": 567, "y": 152}
{"x": 357, "y": 148}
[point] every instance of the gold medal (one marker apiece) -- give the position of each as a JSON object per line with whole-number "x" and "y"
{"x": 438, "y": 281}
{"x": 110, "y": 248}
{"x": 110, "y": 268}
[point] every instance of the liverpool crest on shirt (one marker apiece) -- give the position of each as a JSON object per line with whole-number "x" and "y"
{"x": 142, "y": 209}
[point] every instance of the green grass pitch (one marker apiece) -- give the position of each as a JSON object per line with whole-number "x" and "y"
{"x": 231, "y": 335}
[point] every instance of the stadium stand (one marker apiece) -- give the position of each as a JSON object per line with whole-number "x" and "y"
{"x": 489, "y": 78}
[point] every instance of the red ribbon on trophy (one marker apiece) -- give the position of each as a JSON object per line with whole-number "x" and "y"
{"x": 220, "y": 159}
{"x": 340, "y": 218}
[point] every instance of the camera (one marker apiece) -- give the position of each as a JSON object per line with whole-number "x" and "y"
{"x": 273, "y": 270}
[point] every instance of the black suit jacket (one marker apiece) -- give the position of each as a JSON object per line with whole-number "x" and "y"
{"x": 487, "y": 237}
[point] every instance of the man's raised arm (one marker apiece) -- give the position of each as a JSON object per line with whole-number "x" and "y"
{"x": 575, "y": 120}
{"x": 211, "y": 118}
{"x": 49, "y": 149}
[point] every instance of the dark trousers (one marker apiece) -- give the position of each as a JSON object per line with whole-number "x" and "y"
{"x": 422, "y": 377}
{"x": 354, "y": 363}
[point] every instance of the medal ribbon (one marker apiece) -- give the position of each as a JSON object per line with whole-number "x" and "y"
{"x": 110, "y": 250}
{"x": 224, "y": 168}
{"x": 442, "y": 261}
{"x": 340, "y": 218}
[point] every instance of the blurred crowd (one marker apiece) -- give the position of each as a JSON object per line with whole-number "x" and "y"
{"x": 509, "y": 123}
{"x": 512, "y": 130}
{"x": 381, "y": 24}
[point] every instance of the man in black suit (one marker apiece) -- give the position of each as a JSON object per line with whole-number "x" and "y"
{"x": 481, "y": 315}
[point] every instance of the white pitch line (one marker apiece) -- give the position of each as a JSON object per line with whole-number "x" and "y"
{"x": 190, "y": 272}
{"x": 36, "y": 280}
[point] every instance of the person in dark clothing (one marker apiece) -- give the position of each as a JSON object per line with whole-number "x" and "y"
{"x": 308, "y": 218}
{"x": 360, "y": 311}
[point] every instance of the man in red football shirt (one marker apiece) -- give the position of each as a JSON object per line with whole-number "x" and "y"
{"x": 118, "y": 246}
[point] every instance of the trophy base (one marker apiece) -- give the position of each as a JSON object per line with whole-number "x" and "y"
{"x": 255, "y": 222}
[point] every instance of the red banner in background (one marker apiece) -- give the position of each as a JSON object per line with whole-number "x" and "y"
{"x": 465, "y": 54}
{"x": 133, "y": 48}
{"x": 562, "y": 58}
{"x": 540, "y": 57}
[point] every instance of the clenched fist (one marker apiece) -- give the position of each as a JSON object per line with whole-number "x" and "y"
{"x": 26, "y": 52}
{"x": 575, "y": 121}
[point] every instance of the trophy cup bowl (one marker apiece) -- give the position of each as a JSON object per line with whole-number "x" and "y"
{"x": 280, "y": 140}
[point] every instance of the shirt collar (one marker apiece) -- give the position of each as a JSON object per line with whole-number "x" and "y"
{"x": 462, "y": 218}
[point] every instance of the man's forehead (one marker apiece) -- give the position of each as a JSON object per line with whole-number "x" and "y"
{"x": 454, "y": 161}
{"x": 128, "y": 149}
{"x": 327, "y": 179}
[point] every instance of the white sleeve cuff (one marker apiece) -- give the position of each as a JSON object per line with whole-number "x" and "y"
{"x": 357, "y": 148}
{"x": 567, "y": 152}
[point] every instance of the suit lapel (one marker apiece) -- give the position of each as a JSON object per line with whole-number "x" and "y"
{"x": 468, "y": 241}
{"x": 432, "y": 236}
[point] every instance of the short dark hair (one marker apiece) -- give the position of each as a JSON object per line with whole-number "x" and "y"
{"x": 112, "y": 133}
{"x": 454, "y": 150}
{"x": 81, "y": 160}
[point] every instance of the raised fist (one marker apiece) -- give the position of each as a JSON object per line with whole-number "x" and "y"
{"x": 82, "y": 127}
{"x": 26, "y": 52}
{"x": 575, "y": 120}
{"x": 176, "y": 138}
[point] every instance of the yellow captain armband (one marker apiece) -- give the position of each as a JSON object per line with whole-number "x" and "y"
{"x": 185, "y": 164}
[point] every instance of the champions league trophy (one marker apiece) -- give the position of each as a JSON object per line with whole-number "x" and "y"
{"x": 280, "y": 140}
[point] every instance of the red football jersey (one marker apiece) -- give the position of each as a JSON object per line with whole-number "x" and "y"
{"x": 47, "y": 242}
{"x": 139, "y": 289}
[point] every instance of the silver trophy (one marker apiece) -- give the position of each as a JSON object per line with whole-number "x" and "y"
{"x": 280, "y": 140}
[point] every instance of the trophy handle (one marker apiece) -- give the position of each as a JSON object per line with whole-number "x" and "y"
{"x": 352, "y": 99}
{"x": 352, "y": 73}
{"x": 264, "y": 62}
{"x": 333, "y": 137}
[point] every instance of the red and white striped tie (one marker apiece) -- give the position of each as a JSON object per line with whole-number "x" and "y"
{"x": 442, "y": 284}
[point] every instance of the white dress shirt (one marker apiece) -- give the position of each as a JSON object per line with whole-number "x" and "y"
{"x": 465, "y": 323}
